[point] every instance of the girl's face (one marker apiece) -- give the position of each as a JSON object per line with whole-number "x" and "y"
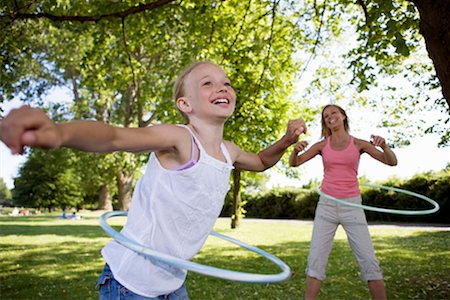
{"x": 209, "y": 92}
{"x": 333, "y": 117}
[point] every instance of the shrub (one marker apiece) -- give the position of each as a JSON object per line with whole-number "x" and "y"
{"x": 300, "y": 203}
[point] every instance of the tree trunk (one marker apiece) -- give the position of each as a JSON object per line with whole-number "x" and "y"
{"x": 124, "y": 186}
{"x": 104, "y": 199}
{"x": 435, "y": 28}
{"x": 236, "y": 213}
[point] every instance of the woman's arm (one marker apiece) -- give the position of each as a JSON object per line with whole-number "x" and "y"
{"x": 297, "y": 160}
{"x": 387, "y": 156}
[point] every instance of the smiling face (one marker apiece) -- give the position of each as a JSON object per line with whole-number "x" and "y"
{"x": 206, "y": 92}
{"x": 333, "y": 117}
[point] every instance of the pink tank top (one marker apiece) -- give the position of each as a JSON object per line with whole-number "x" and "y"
{"x": 340, "y": 178}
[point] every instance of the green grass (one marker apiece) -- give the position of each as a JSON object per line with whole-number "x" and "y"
{"x": 44, "y": 257}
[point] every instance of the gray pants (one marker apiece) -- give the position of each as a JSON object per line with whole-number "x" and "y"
{"x": 329, "y": 214}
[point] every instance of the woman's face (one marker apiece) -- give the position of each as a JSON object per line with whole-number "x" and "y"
{"x": 333, "y": 117}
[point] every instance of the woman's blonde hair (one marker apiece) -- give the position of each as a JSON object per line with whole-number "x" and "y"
{"x": 179, "y": 89}
{"x": 326, "y": 132}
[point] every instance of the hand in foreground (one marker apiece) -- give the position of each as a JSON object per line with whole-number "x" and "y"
{"x": 27, "y": 126}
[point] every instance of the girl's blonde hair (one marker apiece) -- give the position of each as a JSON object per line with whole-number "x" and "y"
{"x": 326, "y": 132}
{"x": 179, "y": 88}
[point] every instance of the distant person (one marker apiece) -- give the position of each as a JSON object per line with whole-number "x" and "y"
{"x": 14, "y": 212}
{"x": 75, "y": 216}
{"x": 340, "y": 155}
{"x": 178, "y": 199}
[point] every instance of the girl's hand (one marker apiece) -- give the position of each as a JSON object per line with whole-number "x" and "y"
{"x": 294, "y": 129}
{"x": 28, "y": 126}
{"x": 300, "y": 146}
{"x": 377, "y": 141}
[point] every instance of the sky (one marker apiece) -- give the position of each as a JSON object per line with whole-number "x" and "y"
{"x": 421, "y": 156}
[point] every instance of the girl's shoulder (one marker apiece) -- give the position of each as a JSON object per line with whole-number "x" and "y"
{"x": 232, "y": 148}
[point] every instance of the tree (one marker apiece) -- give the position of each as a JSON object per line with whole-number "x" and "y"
{"x": 127, "y": 56}
{"x": 118, "y": 73}
{"x": 47, "y": 180}
{"x": 390, "y": 33}
{"x": 97, "y": 179}
{"x": 5, "y": 193}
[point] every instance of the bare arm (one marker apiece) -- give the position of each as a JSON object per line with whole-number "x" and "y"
{"x": 272, "y": 154}
{"x": 387, "y": 156}
{"x": 297, "y": 160}
{"x": 31, "y": 127}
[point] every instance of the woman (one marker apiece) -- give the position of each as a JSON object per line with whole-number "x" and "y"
{"x": 340, "y": 154}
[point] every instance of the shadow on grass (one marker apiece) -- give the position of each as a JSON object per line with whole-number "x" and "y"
{"x": 73, "y": 229}
{"x": 51, "y": 271}
{"x": 416, "y": 266}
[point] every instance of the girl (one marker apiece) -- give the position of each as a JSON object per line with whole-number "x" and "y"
{"x": 177, "y": 200}
{"x": 340, "y": 154}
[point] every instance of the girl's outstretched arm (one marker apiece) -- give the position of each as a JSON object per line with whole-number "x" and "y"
{"x": 28, "y": 126}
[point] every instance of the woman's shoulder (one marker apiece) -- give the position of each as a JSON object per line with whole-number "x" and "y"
{"x": 317, "y": 147}
{"x": 320, "y": 144}
{"x": 360, "y": 143}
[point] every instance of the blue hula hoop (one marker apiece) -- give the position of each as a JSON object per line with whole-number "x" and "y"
{"x": 196, "y": 267}
{"x": 388, "y": 210}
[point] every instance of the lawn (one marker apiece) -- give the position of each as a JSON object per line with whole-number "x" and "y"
{"x": 45, "y": 257}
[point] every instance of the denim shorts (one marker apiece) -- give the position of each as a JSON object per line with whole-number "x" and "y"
{"x": 111, "y": 289}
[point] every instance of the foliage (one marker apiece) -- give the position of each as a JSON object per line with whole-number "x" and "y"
{"x": 433, "y": 185}
{"x": 5, "y": 194}
{"x": 120, "y": 68}
{"x": 47, "y": 179}
{"x": 290, "y": 203}
{"x": 281, "y": 203}
{"x": 369, "y": 53}
{"x": 45, "y": 257}
{"x": 95, "y": 170}
{"x": 121, "y": 71}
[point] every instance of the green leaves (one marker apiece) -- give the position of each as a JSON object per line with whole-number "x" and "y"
{"x": 47, "y": 179}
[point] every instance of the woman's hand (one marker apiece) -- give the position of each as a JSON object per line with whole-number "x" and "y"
{"x": 377, "y": 141}
{"x": 300, "y": 146}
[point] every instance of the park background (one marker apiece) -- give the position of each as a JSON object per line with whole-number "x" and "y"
{"x": 116, "y": 62}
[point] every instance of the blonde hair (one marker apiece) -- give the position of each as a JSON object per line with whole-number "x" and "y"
{"x": 179, "y": 88}
{"x": 326, "y": 132}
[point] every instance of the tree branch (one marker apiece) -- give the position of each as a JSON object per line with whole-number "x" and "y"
{"x": 269, "y": 50}
{"x": 239, "y": 32}
{"x": 120, "y": 14}
{"x": 366, "y": 16}
{"x": 319, "y": 30}
{"x": 364, "y": 8}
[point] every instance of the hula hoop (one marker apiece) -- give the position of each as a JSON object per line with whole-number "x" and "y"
{"x": 388, "y": 210}
{"x": 196, "y": 267}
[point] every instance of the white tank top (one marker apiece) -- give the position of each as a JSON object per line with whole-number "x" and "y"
{"x": 171, "y": 212}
